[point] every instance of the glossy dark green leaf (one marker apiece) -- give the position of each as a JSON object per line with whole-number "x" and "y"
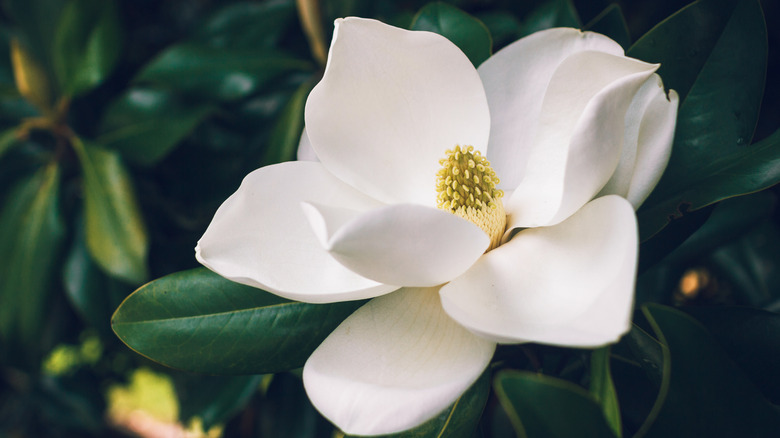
{"x": 752, "y": 169}
{"x": 460, "y": 419}
{"x": 465, "y": 31}
{"x": 146, "y": 124}
{"x": 648, "y": 352}
{"x": 552, "y": 13}
{"x": 116, "y": 234}
{"x": 198, "y": 321}
{"x": 730, "y": 219}
{"x": 285, "y": 137}
{"x": 680, "y": 228}
{"x": 752, "y": 339}
{"x": 503, "y": 27}
{"x": 214, "y": 400}
{"x": 714, "y": 54}
{"x": 218, "y": 73}
{"x": 708, "y": 394}
{"x": 611, "y": 23}
{"x": 546, "y": 407}
{"x": 247, "y": 25}
{"x": 31, "y": 235}
{"x": 654, "y": 359}
{"x": 603, "y": 389}
{"x": 87, "y": 44}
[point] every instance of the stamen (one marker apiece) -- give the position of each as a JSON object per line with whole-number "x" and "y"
{"x": 466, "y": 186}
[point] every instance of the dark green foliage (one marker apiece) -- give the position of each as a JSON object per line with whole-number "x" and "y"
{"x": 144, "y": 116}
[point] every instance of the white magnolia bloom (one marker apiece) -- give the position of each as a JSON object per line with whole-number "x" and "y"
{"x": 401, "y": 124}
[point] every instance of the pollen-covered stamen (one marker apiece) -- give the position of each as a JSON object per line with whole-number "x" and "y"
{"x": 466, "y": 186}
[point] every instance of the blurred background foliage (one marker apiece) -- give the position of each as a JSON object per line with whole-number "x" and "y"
{"x": 125, "y": 123}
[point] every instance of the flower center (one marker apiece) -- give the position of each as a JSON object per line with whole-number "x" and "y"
{"x": 466, "y": 186}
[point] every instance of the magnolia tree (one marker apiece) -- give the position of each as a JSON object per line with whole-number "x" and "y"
{"x": 499, "y": 221}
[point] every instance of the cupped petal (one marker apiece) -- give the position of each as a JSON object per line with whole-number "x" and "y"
{"x": 402, "y": 244}
{"x": 305, "y": 151}
{"x": 570, "y": 284}
{"x": 579, "y": 139}
{"x": 649, "y": 132}
{"x": 393, "y": 364}
{"x": 260, "y": 237}
{"x": 390, "y": 104}
{"x": 516, "y": 79}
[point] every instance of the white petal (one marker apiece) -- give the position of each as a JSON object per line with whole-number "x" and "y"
{"x": 580, "y": 136}
{"x": 260, "y": 237}
{"x": 516, "y": 79}
{"x": 393, "y": 364}
{"x": 569, "y": 284}
{"x": 402, "y": 244}
{"x": 390, "y": 104}
{"x": 656, "y": 136}
{"x": 649, "y": 132}
{"x": 305, "y": 151}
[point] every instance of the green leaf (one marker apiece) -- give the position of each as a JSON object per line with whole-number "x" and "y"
{"x": 198, "y": 321}
{"x": 214, "y": 400}
{"x": 653, "y": 357}
{"x": 146, "y": 124}
{"x": 38, "y": 23}
{"x": 465, "y": 31}
{"x": 603, "y": 390}
{"x": 749, "y": 266}
{"x": 649, "y": 353}
{"x": 714, "y": 54}
{"x": 91, "y": 293}
{"x": 32, "y": 82}
{"x": 752, "y": 339}
{"x": 460, "y": 419}
{"x": 8, "y": 138}
{"x": 686, "y": 241}
{"x": 247, "y": 25}
{"x": 218, "y": 73}
{"x": 286, "y": 134}
{"x": 754, "y": 168}
{"x": 730, "y": 219}
{"x": 116, "y": 234}
{"x": 708, "y": 394}
{"x": 31, "y": 235}
{"x": 679, "y": 229}
{"x": 540, "y": 406}
{"x": 611, "y": 23}
{"x": 503, "y": 26}
{"x": 553, "y": 13}
{"x": 87, "y": 44}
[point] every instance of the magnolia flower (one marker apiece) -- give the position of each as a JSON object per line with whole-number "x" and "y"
{"x": 403, "y": 207}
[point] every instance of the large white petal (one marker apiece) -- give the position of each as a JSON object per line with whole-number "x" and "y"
{"x": 516, "y": 79}
{"x": 390, "y": 104}
{"x": 305, "y": 151}
{"x": 649, "y": 132}
{"x": 393, "y": 364}
{"x": 403, "y": 244}
{"x": 569, "y": 284}
{"x": 260, "y": 237}
{"x": 579, "y": 139}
